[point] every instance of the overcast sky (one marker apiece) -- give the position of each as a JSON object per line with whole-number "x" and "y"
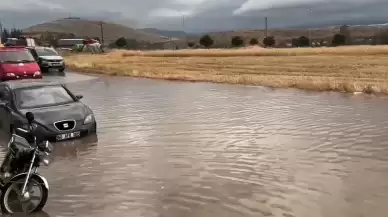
{"x": 200, "y": 15}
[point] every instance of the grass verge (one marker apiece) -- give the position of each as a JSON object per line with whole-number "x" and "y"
{"x": 345, "y": 69}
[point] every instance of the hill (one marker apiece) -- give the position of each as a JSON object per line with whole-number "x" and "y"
{"x": 167, "y": 33}
{"x": 89, "y": 28}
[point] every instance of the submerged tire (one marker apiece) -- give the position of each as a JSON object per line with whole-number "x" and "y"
{"x": 8, "y": 188}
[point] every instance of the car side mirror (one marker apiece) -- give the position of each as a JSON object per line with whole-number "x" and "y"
{"x": 79, "y": 96}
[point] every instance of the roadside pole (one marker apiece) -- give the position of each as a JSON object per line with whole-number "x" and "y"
{"x": 1, "y": 31}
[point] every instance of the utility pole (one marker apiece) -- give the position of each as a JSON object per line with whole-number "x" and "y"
{"x": 310, "y": 37}
{"x": 183, "y": 27}
{"x": 1, "y": 31}
{"x": 266, "y": 27}
{"x": 102, "y": 33}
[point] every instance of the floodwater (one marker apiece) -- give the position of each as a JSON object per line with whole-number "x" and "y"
{"x": 170, "y": 149}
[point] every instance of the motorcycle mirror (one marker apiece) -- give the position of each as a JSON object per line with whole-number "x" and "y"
{"x": 30, "y": 117}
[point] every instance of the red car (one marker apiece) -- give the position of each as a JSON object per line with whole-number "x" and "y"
{"x": 17, "y": 63}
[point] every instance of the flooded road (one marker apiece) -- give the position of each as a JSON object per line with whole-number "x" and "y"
{"x": 169, "y": 149}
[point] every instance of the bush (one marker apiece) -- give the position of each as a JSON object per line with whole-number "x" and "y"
{"x": 237, "y": 41}
{"x": 190, "y": 44}
{"x": 269, "y": 41}
{"x": 206, "y": 41}
{"x": 121, "y": 42}
{"x": 254, "y": 41}
{"x": 338, "y": 40}
{"x": 302, "y": 41}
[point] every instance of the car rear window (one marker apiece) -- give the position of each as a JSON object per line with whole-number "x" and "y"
{"x": 16, "y": 56}
{"x": 42, "y": 96}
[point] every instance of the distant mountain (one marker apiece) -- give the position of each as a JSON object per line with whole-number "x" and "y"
{"x": 371, "y": 22}
{"x": 89, "y": 28}
{"x": 167, "y": 33}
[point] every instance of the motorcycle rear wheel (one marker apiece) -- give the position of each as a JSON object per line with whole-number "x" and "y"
{"x": 15, "y": 187}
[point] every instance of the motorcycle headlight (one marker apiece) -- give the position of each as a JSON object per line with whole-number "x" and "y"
{"x": 27, "y": 126}
{"x": 46, "y": 159}
{"x": 88, "y": 119}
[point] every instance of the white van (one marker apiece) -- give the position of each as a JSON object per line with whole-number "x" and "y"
{"x": 68, "y": 43}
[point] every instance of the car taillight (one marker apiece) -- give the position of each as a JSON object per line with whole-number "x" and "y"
{"x": 37, "y": 73}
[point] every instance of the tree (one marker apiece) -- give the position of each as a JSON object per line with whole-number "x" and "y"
{"x": 338, "y": 40}
{"x": 206, "y": 41}
{"x": 295, "y": 42}
{"x": 304, "y": 41}
{"x": 16, "y": 33}
{"x": 190, "y": 44}
{"x": 121, "y": 42}
{"x": 237, "y": 41}
{"x": 269, "y": 41}
{"x": 4, "y": 35}
{"x": 254, "y": 41}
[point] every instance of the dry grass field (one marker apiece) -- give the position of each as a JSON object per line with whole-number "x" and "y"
{"x": 346, "y": 69}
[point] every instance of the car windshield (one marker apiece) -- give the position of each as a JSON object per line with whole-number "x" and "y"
{"x": 46, "y": 51}
{"x": 42, "y": 96}
{"x": 16, "y": 56}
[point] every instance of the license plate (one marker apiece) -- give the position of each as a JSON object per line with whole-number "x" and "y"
{"x": 53, "y": 70}
{"x": 68, "y": 136}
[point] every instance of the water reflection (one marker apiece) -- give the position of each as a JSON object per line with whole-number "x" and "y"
{"x": 195, "y": 149}
{"x": 75, "y": 148}
{"x": 36, "y": 214}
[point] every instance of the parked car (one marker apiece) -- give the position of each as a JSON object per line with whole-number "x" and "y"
{"x": 17, "y": 63}
{"x": 59, "y": 114}
{"x": 48, "y": 59}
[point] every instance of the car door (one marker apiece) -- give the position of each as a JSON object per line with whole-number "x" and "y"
{"x": 5, "y": 113}
{"x": 34, "y": 54}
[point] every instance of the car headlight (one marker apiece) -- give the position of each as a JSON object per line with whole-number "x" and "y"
{"x": 88, "y": 119}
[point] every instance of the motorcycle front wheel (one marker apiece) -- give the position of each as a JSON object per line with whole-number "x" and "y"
{"x": 11, "y": 200}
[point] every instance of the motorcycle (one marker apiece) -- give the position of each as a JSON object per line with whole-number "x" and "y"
{"x": 22, "y": 188}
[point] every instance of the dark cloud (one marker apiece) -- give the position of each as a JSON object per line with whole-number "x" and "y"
{"x": 200, "y": 15}
{"x": 292, "y": 16}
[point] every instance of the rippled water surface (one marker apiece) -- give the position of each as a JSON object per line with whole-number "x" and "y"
{"x": 196, "y": 149}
